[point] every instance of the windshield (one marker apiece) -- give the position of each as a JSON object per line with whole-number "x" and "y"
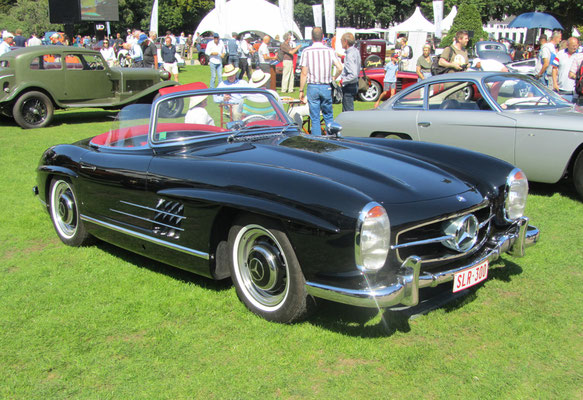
{"x": 522, "y": 93}
{"x": 206, "y": 114}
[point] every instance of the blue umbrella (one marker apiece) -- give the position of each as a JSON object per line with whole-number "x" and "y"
{"x": 535, "y": 20}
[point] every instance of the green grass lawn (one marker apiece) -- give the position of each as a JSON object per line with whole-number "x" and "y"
{"x": 100, "y": 322}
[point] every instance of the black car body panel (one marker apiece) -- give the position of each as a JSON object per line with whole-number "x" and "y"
{"x": 177, "y": 202}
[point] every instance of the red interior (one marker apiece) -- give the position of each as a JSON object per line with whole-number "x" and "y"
{"x": 105, "y": 139}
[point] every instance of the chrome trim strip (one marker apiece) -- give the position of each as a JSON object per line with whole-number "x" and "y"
{"x": 405, "y": 289}
{"x": 147, "y": 238}
{"x": 420, "y": 242}
{"x": 153, "y": 209}
{"x": 146, "y": 219}
{"x": 486, "y": 221}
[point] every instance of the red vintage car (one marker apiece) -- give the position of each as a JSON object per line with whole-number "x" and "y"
{"x": 373, "y": 53}
{"x": 377, "y": 76}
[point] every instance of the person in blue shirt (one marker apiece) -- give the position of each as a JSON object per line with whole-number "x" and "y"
{"x": 390, "y": 81}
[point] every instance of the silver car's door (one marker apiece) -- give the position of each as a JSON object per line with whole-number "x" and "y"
{"x": 457, "y": 114}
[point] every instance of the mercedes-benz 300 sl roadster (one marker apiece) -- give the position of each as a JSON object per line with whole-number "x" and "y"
{"x": 222, "y": 183}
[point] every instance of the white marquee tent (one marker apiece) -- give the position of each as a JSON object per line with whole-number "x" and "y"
{"x": 246, "y": 15}
{"x": 415, "y": 23}
{"x": 447, "y": 22}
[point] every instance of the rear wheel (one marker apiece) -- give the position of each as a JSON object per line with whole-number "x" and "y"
{"x": 578, "y": 174}
{"x": 65, "y": 214}
{"x": 33, "y": 110}
{"x": 265, "y": 270}
{"x": 373, "y": 92}
{"x": 203, "y": 59}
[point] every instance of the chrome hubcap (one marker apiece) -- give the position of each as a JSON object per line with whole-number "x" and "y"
{"x": 63, "y": 209}
{"x": 261, "y": 267}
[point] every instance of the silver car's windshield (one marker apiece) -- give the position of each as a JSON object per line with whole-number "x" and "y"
{"x": 522, "y": 93}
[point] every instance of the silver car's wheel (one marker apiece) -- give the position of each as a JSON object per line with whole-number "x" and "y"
{"x": 265, "y": 270}
{"x": 373, "y": 92}
{"x": 578, "y": 174}
{"x": 65, "y": 214}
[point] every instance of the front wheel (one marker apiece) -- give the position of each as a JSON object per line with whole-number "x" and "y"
{"x": 33, "y": 110}
{"x": 65, "y": 214}
{"x": 373, "y": 93}
{"x": 578, "y": 174}
{"x": 265, "y": 270}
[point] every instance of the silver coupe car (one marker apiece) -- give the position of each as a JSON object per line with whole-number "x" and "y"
{"x": 505, "y": 115}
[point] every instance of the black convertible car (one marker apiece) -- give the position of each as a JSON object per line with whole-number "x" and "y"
{"x": 223, "y": 184}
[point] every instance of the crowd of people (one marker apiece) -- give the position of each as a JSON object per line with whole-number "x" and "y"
{"x": 558, "y": 61}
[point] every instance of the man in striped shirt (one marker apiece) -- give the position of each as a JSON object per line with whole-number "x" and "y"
{"x": 317, "y": 62}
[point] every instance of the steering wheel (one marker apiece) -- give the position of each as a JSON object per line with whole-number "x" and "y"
{"x": 253, "y": 116}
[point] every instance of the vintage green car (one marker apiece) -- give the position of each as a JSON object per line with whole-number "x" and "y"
{"x": 37, "y": 80}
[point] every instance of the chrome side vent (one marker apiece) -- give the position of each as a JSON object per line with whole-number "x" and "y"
{"x": 168, "y": 219}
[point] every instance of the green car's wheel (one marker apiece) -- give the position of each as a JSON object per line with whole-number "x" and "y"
{"x": 265, "y": 270}
{"x": 65, "y": 214}
{"x": 33, "y": 110}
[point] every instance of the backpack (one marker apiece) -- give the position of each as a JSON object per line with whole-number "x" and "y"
{"x": 437, "y": 69}
{"x": 579, "y": 80}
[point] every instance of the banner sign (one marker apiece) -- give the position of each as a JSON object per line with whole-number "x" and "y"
{"x": 330, "y": 15}
{"x": 317, "y": 10}
{"x": 437, "y": 17}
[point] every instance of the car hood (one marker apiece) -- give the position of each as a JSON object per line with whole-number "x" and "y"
{"x": 558, "y": 119}
{"x": 383, "y": 174}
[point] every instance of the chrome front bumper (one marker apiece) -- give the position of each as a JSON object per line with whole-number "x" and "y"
{"x": 409, "y": 280}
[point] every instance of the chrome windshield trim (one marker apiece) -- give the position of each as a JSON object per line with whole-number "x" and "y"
{"x": 147, "y": 220}
{"x": 153, "y": 209}
{"x": 147, "y": 238}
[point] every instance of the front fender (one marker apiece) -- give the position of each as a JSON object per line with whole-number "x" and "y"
{"x": 252, "y": 204}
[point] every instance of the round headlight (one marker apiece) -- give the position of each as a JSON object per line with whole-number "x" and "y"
{"x": 373, "y": 236}
{"x": 516, "y": 192}
{"x": 164, "y": 75}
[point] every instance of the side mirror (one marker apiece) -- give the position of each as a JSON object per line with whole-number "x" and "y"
{"x": 334, "y": 128}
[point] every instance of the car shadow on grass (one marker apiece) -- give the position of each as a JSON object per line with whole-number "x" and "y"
{"x": 165, "y": 269}
{"x": 83, "y": 117}
{"x": 374, "y": 323}
{"x": 564, "y": 188}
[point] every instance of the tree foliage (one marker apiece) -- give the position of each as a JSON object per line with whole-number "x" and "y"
{"x": 185, "y": 15}
{"x": 467, "y": 19}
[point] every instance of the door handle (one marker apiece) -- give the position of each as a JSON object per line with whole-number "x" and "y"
{"x": 87, "y": 166}
{"x": 424, "y": 124}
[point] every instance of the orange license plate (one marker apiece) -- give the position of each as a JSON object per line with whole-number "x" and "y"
{"x": 469, "y": 277}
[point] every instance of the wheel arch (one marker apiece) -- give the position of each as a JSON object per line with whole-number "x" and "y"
{"x": 231, "y": 207}
{"x": 384, "y": 134}
{"x": 571, "y": 163}
{"x": 39, "y": 89}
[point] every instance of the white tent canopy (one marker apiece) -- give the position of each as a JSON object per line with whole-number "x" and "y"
{"x": 447, "y": 22}
{"x": 416, "y": 22}
{"x": 247, "y": 15}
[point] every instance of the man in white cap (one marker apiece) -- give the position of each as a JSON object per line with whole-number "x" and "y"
{"x": 230, "y": 73}
{"x": 259, "y": 80}
{"x": 244, "y": 60}
{"x": 7, "y": 40}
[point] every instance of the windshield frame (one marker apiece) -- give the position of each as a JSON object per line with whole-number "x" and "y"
{"x": 281, "y": 114}
{"x": 556, "y": 100}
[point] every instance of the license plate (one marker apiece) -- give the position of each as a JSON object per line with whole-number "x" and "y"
{"x": 469, "y": 277}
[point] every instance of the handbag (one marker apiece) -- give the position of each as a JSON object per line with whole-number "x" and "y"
{"x": 363, "y": 82}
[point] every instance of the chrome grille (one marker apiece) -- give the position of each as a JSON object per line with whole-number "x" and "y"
{"x": 425, "y": 240}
